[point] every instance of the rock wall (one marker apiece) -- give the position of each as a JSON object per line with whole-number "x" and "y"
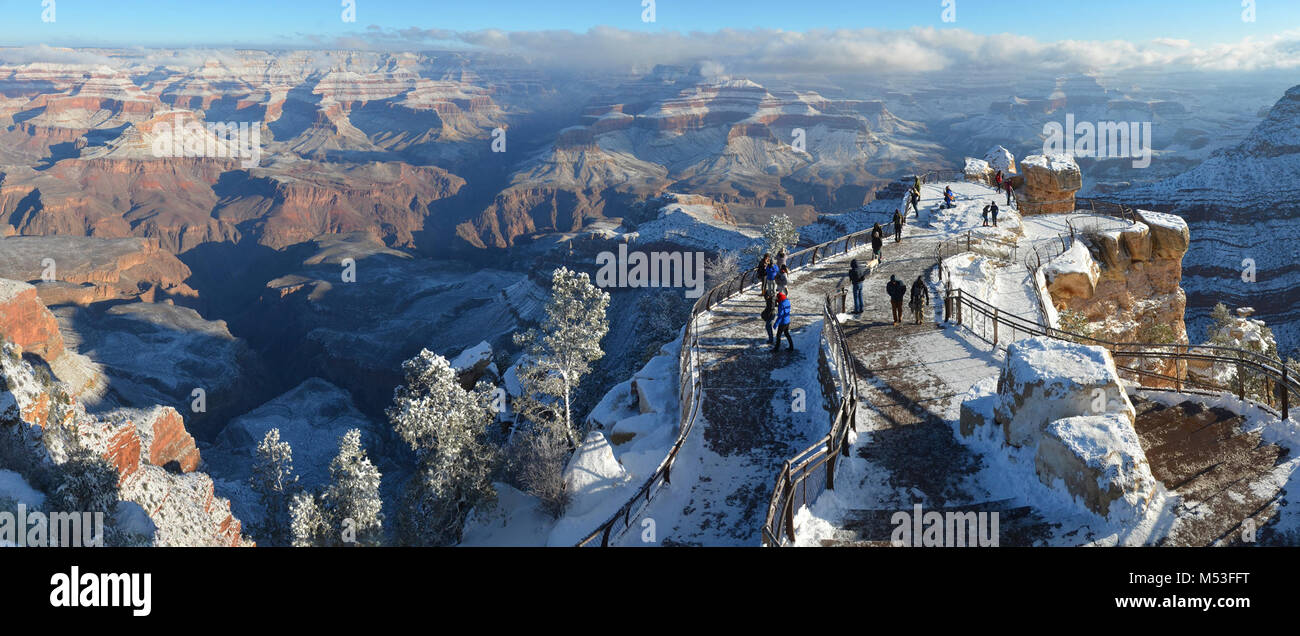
{"x": 25, "y": 321}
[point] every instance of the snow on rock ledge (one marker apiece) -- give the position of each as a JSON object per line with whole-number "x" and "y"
{"x": 1044, "y": 380}
{"x": 1064, "y": 403}
{"x": 1101, "y": 463}
{"x": 656, "y": 384}
{"x": 1072, "y": 274}
{"x": 592, "y": 473}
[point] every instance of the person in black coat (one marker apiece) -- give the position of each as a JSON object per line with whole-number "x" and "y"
{"x": 769, "y": 314}
{"x": 898, "y": 226}
{"x": 877, "y": 240}
{"x": 856, "y": 276}
{"x": 920, "y": 298}
{"x": 896, "y": 289}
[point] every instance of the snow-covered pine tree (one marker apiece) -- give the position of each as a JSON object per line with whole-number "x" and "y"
{"x": 447, "y": 428}
{"x": 275, "y": 484}
{"x": 561, "y": 353}
{"x": 308, "y": 526}
{"x": 779, "y": 234}
{"x": 352, "y": 503}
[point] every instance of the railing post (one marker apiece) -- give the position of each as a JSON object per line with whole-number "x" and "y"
{"x": 1286, "y": 393}
{"x": 995, "y": 326}
{"x": 958, "y": 302}
{"x": 1241, "y": 381}
{"x": 947, "y": 302}
{"x": 787, "y": 507}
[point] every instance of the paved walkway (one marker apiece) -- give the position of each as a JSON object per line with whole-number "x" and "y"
{"x": 912, "y": 381}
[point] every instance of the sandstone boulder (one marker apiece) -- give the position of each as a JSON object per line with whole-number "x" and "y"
{"x": 1000, "y": 158}
{"x": 978, "y": 171}
{"x": 656, "y": 385}
{"x": 25, "y": 321}
{"x": 1100, "y": 461}
{"x": 1170, "y": 235}
{"x": 1044, "y": 380}
{"x": 1072, "y": 274}
{"x": 1051, "y": 182}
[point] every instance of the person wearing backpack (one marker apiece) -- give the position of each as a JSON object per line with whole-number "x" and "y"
{"x": 856, "y": 276}
{"x": 920, "y": 298}
{"x": 896, "y": 289}
{"x": 769, "y": 314}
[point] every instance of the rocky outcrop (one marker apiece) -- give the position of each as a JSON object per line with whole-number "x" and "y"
{"x": 1050, "y": 184}
{"x": 154, "y": 455}
{"x": 25, "y": 321}
{"x": 85, "y": 270}
{"x": 1000, "y": 158}
{"x": 1124, "y": 279}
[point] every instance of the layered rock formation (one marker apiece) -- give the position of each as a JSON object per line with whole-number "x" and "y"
{"x": 1050, "y": 182}
{"x": 1124, "y": 279}
{"x": 87, "y": 270}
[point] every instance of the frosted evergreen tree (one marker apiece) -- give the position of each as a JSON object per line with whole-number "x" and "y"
{"x": 779, "y": 234}
{"x": 275, "y": 484}
{"x": 308, "y": 525}
{"x": 352, "y": 503}
{"x": 561, "y": 353}
{"x": 446, "y": 426}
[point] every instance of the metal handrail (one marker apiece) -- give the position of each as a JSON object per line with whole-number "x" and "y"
{"x": 820, "y": 459}
{"x": 1274, "y": 371}
{"x": 689, "y": 383}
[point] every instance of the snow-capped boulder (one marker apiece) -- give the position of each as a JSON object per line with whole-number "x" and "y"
{"x": 1170, "y": 236}
{"x": 978, "y": 170}
{"x": 618, "y": 403}
{"x": 1044, "y": 380}
{"x": 1100, "y": 462}
{"x": 1072, "y": 274}
{"x": 1000, "y": 158}
{"x": 1050, "y": 184}
{"x": 473, "y": 361}
{"x": 656, "y": 384}
{"x": 592, "y": 474}
{"x": 637, "y": 426}
{"x": 977, "y": 406}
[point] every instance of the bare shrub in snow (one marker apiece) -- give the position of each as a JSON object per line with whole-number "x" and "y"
{"x": 447, "y": 427}
{"x": 536, "y": 465}
{"x": 721, "y": 268}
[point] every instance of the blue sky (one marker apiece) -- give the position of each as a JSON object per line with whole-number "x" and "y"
{"x": 289, "y": 23}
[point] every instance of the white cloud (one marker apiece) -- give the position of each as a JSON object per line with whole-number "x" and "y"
{"x": 856, "y": 51}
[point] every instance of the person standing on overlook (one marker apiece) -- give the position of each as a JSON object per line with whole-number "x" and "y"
{"x": 896, "y": 289}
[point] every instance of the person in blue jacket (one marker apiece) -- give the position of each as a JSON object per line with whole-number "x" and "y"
{"x": 782, "y": 322}
{"x": 948, "y": 198}
{"x": 769, "y": 276}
